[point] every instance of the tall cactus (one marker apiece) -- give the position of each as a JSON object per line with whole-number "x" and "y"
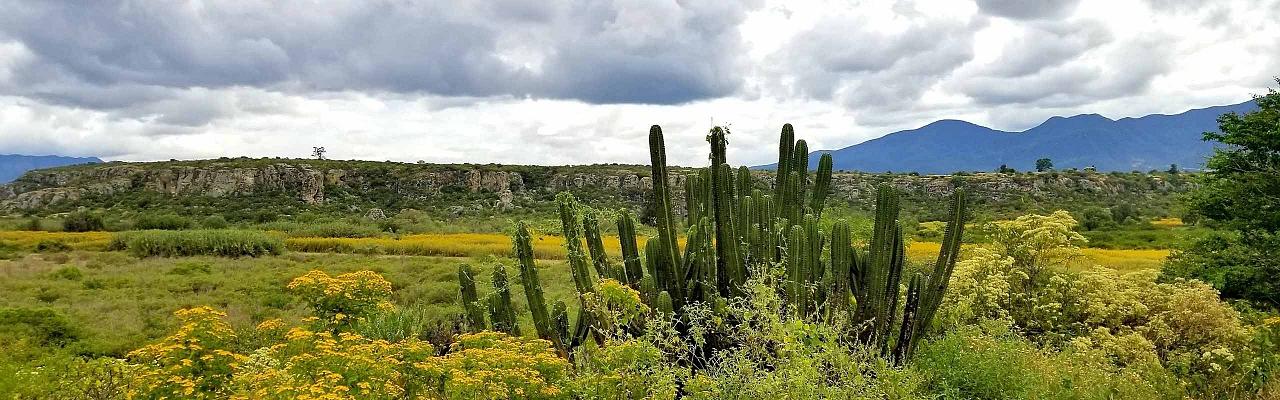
{"x": 542, "y": 323}
{"x": 470, "y": 299}
{"x": 630, "y": 248}
{"x": 745, "y": 185}
{"x": 595, "y": 245}
{"x": 873, "y": 306}
{"x": 662, "y": 198}
{"x": 935, "y": 286}
{"x": 582, "y": 279}
{"x": 501, "y": 313}
{"x": 731, "y": 273}
{"x": 821, "y": 185}
{"x": 786, "y": 145}
{"x": 731, "y": 225}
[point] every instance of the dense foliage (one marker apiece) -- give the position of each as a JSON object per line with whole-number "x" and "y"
{"x": 1240, "y": 191}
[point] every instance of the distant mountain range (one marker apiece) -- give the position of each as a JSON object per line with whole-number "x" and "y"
{"x": 14, "y": 165}
{"x": 1151, "y": 142}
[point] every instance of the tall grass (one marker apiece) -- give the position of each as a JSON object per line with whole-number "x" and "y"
{"x": 449, "y": 245}
{"x": 29, "y": 240}
{"x": 224, "y": 243}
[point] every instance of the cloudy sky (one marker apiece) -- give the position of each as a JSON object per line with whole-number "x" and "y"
{"x": 580, "y": 81}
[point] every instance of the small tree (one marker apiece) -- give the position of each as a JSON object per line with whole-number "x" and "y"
{"x": 1044, "y": 165}
{"x": 318, "y": 152}
{"x": 1239, "y": 190}
{"x": 1123, "y": 212}
{"x": 83, "y": 221}
{"x": 1004, "y": 169}
{"x": 1173, "y": 169}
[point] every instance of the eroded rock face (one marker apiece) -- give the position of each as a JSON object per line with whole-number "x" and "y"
{"x": 502, "y": 185}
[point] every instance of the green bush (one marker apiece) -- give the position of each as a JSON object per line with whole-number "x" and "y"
{"x": 169, "y": 222}
{"x": 44, "y": 326}
{"x": 214, "y": 222}
{"x": 52, "y": 246}
{"x": 82, "y": 221}
{"x": 224, "y": 243}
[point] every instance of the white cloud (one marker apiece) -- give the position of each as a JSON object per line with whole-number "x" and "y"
{"x": 580, "y": 82}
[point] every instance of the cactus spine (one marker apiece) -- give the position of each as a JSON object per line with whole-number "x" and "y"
{"x": 470, "y": 299}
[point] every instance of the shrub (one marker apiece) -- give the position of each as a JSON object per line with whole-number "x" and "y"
{"x": 52, "y": 246}
{"x": 82, "y": 221}
{"x": 224, "y": 243}
{"x": 43, "y": 326}
{"x": 169, "y": 222}
{"x": 195, "y": 362}
{"x": 343, "y": 299}
{"x": 214, "y": 222}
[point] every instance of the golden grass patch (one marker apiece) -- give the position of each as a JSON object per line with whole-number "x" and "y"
{"x": 29, "y": 240}
{"x": 545, "y": 247}
{"x": 1120, "y": 260}
{"x": 1173, "y": 222}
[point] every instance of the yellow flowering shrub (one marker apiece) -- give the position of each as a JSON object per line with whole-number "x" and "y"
{"x": 195, "y": 362}
{"x": 323, "y": 365}
{"x": 615, "y": 305}
{"x": 1037, "y": 242}
{"x": 492, "y": 365}
{"x": 339, "y": 300}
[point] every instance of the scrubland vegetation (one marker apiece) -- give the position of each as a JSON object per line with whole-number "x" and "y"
{"x": 744, "y": 297}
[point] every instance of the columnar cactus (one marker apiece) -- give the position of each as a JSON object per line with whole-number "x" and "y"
{"x": 501, "y": 313}
{"x": 731, "y": 225}
{"x": 470, "y": 299}
{"x": 821, "y": 185}
{"x": 595, "y": 245}
{"x": 630, "y": 249}
{"x": 662, "y": 197}
{"x": 582, "y": 279}
{"x": 731, "y": 272}
{"x": 542, "y": 322}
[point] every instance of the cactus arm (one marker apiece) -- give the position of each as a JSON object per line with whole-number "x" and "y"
{"x": 470, "y": 299}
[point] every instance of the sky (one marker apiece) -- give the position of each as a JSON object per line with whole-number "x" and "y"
{"x": 555, "y": 82}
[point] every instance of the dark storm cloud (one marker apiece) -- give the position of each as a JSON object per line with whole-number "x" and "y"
{"x": 1028, "y": 9}
{"x": 597, "y": 52}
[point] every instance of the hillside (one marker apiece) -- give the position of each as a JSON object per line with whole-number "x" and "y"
{"x": 14, "y": 165}
{"x": 232, "y": 186}
{"x": 1127, "y": 144}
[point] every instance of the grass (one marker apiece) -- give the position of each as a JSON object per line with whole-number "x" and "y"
{"x": 30, "y": 240}
{"x": 545, "y": 247}
{"x": 117, "y": 302}
{"x": 1124, "y": 260}
{"x": 225, "y": 243}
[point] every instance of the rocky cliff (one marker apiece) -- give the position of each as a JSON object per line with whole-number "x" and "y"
{"x": 316, "y": 183}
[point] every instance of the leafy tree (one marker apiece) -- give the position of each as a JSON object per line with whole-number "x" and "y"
{"x": 1004, "y": 169}
{"x": 1173, "y": 169}
{"x": 1044, "y": 164}
{"x": 1095, "y": 218}
{"x": 1240, "y": 190}
{"x": 1123, "y": 212}
{"x": 82, "y": 221}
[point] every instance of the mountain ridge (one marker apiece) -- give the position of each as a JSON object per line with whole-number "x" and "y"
{"x": 13, "y": 166}
{"x": 1153, "y": 141}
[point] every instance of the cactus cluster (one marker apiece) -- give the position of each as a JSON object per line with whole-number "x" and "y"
{"x": 736, "y": 231}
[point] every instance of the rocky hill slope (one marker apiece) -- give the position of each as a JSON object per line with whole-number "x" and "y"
{"x": 344, "y": 186}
